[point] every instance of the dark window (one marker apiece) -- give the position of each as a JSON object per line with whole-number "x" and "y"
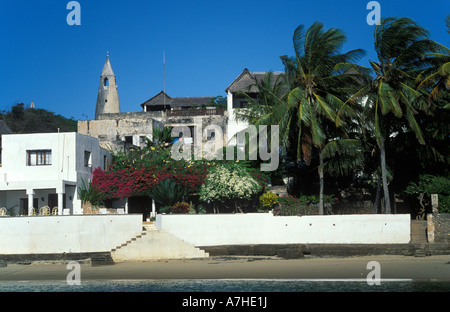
{"x": 129, "y": 139}
{"x": 39, "y": 158}
{"x": 238, "y": 103}
{"x": 87, "y": 159}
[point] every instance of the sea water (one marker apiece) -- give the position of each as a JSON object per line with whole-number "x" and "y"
{"x": 227, "y": 285}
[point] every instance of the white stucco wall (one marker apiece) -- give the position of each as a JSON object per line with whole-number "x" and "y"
{"x": 67, "y": 169}
{"x": 233, "y": 126}
{"x": 66, "y": 234}
{"x": 264, "y": 228}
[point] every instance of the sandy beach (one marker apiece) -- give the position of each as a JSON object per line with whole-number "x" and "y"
{"x": 391, "y": 267}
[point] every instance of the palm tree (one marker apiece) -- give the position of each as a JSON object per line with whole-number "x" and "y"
{"x": 400, "y": 44}
{"x": 437, "y": 76}
{"x": 270, "y": 92}
{"x": 319, "y": 77}
{"x": 162, "y": 138}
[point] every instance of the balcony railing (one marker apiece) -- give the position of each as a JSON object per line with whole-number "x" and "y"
{"x": 195, "y": 112}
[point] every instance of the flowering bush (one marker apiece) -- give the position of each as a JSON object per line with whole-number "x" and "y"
{"x": 228, "y": 182}
{"x": 139, "y": 172}
{"x": 268, "y": 200}
{"x": 153, "y": 172}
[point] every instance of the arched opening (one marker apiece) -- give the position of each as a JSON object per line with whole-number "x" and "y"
{"x": 106, "y": 82}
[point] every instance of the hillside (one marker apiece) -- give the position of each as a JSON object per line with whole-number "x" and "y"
{"x": 36, "y": 120}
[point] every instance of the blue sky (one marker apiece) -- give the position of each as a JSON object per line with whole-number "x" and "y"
{"x": 206, "y": 43}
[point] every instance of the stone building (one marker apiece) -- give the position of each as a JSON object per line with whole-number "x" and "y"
{"x": 108, "y": 97}
{"x": 118, "y": 130}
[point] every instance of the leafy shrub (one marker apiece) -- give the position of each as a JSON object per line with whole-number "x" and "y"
{"x": 180, "y": 208}
{"x": 228, "y": 182}
{"x": 230, "y": 185}
{"x": 168, "y": 192}
{"x": 166, "y": 209}
{"x": 89, "y": 193}
{"x": 303, "y": 205}
{"x": 427, "y": 185}
{"x": 291, "y": 206}
{"x": 268, "y": 200}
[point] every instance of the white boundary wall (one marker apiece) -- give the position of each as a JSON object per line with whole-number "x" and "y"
{"x": 264, "y": 228}
{"x": 66, "y": 234}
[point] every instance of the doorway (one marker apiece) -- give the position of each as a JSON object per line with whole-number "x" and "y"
{"x": 24, "y": 205}
{"x": 53, "y": 201}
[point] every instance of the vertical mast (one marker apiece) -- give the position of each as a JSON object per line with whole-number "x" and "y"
{"x": 164, "y": 68}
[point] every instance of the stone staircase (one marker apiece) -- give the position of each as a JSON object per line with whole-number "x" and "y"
{"x": 419, "y": 239}
{"x": 152, "y": 244}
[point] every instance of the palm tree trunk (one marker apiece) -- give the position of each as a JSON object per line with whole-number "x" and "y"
{"x": 321, "y": 183}
{"x": 384, "y": 177}
{"x": 377, "y": 196}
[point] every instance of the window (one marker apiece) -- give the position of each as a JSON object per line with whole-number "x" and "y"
{"x": 87, "y": 159}
{"x": 39, "y": 158}
{"x": 105, "y": 163}
{"x": 142, "y": 141}
{"x": 129, "y": 139}
{"x": 106, "y": 82}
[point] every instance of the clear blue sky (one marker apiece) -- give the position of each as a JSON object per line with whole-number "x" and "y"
{"x": 206, "y": 43}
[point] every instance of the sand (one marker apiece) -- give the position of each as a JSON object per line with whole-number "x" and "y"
{"x": 391, "y": 267}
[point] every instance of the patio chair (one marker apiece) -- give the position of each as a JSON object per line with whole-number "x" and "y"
{"x": 32, "y": 211}
{"x": 3, "y": 212}
{"x": 55, "y": 211}
{"x": 44, "y": 211}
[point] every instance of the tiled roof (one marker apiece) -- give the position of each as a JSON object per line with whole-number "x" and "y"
{"x": 162, "y": 98}
{"x": 246, "y": 80}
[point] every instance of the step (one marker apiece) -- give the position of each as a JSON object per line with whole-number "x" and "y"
{"x": 418, "y": 231}
{"x": 156, "y": 245}
{"x": 420, "y": 250}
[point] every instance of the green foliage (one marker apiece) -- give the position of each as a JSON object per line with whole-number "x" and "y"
{"x": 219, "y": 102}
{"x": 167, "y": 192}
{"x": 291, "y": 206}
{"x": 427, "y": 185}
{"x": 181, "y": 208}
{"x": 36, "y": 120}
{"x": 229, "y": 182}
{"x": 268, "y": 200}
{"x": 88, "y": 193}
{"x": 162, "y": 138}
{"x": 302, "y": 205}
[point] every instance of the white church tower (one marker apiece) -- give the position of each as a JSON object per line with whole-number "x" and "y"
{"x": 108, "y": 97}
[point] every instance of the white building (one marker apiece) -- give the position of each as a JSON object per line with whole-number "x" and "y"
{"x": 244, "y": 83}
{"x": 46, "y": 169}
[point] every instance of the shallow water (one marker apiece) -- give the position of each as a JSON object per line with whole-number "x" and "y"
{"x": 225, "y": 286}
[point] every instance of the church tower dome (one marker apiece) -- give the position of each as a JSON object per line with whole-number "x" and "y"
{"x": 108, "y": 97}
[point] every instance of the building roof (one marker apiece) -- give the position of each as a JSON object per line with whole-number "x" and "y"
{"x": 162, "y": 98}
{"x": 192, "y": 101}
{"x": 246, "y": 80}
{"x": 107, "y": 69}
{"x": 4, "y": 129}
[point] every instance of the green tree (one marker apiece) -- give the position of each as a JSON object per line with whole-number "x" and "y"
{"x": 400, "y": 44}
{"x": 320, "y": 78}
{"x": 162, "y": 138}
{"x": 36, "y": 120}
{"x": 436, "y": 78}
{"x": 271, "y": 91}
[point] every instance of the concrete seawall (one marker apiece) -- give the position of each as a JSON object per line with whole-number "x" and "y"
{"x": 66, "y": 234}
{"x": 264, "y": 228}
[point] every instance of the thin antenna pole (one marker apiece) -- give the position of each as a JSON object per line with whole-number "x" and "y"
{"x": 164, "y": 67}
